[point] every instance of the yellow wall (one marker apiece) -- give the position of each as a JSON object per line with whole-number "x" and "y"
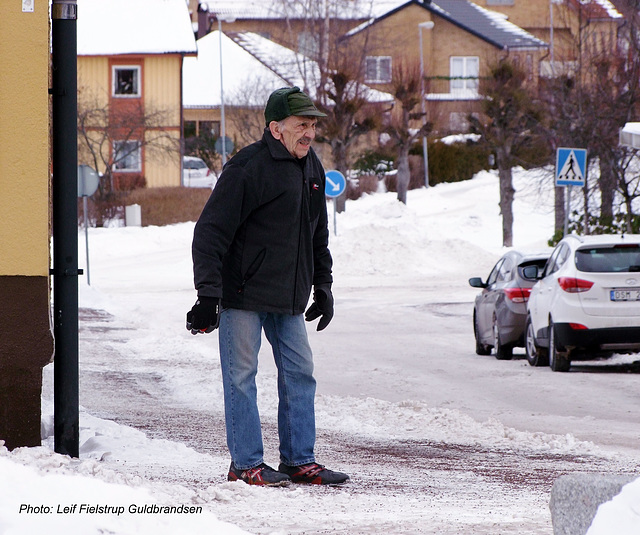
{"x": 24, "y": 141}
{"x": 162, "y": 170}
{"x": 162, "y": 85}
{"x": 161, "y": 90}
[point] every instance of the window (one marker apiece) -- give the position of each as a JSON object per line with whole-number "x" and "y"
{"x": 529, "y": 67}
{"x": 506, "y": 270}
{"x": 189, "y": 129}
{"x": 500, "y": 2}
{"x": 458, "y": 121}
{"x": 493, "y": 276}
{"x": 308, "y": 44}
{"x": 126, "y": 81}
{"x": 609, "y": 259}
{"x": 378, "y": 69}
{"x": 209, "y": 128}
{"x": 558, "y": 257}
{"x": 126, "y": 156}
{"x": 464, "y": 73}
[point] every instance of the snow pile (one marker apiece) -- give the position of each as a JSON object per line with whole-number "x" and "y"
{"x": 43, "y": 492}
{"x": 620, "y": 516}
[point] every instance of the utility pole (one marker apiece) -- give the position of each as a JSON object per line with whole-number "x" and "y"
{"x": 65, "y": 225}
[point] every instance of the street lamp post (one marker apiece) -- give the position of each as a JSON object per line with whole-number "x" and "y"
{"x": 223, "y": 134}
{"x": 553, "y": 69}
{"x": 222, "y": 128}
{"x": 427, "y": 26}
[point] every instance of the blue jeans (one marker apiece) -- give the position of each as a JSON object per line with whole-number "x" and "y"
{"x": 240, "y": 337}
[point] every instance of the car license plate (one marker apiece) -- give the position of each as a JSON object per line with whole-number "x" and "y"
{"x": 625, "y": 295}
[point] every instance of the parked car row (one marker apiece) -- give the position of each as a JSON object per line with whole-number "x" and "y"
{"x": 500, "y": 311}
{"x": 580, "y": 303}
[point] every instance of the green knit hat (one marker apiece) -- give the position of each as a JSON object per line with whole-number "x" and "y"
{"x": 289, "y": 101}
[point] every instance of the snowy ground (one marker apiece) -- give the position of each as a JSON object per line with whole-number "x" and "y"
{"x": 436, "y": 439}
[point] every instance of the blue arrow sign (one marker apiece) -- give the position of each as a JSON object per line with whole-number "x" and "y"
{"x": 335, "y": 185}
{"x": 571, "y": 167}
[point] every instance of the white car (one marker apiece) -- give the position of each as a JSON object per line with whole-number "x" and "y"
{"x": 586, "y": 303}
{"x": 196, "y": 173}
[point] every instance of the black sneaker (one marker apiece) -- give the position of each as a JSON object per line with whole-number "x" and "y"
{"x": 313, "y": 473}
{"x": 260, "y": 475}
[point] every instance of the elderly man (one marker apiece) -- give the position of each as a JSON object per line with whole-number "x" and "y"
{"x": 259, "y": 247}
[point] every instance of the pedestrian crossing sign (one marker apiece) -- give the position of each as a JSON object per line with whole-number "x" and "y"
{"x": 571, "y": 167}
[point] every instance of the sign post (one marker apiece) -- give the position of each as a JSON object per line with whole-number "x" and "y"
{"x": 571, "y": 170}
{"x": 88, "y": 181}
{"x": 334, "y": 187}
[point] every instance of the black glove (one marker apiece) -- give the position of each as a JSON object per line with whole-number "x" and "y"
{"x": 204, "y": 316}
{"x": 322, "y": 306}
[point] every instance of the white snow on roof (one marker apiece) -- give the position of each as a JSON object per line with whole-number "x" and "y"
{"x": 110, "y": 27}
{"x": 632, "y": 128}
{"x": 609, "y": 8}
{"x": 289, "y": 64}
{"x": 240, "y": 72}
{"x": 277, "y": 9}
{"x": 253, "y": 66}
{"x": 298, "y": 69}
{"x": 499, "y": 20}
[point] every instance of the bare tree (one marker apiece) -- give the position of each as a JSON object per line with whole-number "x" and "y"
{"x": 246, "y": 109}
{"x": 333, "y": 71}
{"x": 406, "y": 89}
{"x": 108, "y": 138}
{"x": 512, "y": 119}
{"x": 590, "y": 102}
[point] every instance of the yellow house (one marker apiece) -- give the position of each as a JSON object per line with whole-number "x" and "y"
{"x": 570, "y": 27}
{"x": 460, "y": 42}
{"x": 130, "y": 90}
{"x": 26, "y": 341}
{"x": 454, "y": 43}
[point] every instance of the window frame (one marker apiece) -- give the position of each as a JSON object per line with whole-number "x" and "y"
{"x": 493, "y": 275}
{"x": 137, "y": 82}
{"x": 378, "y": 79}
{"x": 465, "y": 82}
{"x": 137, "y": 153}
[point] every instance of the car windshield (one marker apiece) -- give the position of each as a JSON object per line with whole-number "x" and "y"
{"x": 608, "y": 259}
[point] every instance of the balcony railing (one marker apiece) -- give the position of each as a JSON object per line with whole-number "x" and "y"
{"x": 451, "y": 88}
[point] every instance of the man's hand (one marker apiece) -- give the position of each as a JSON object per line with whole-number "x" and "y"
{"x": 204, "y": 316}
{"x": 322, "y": 306}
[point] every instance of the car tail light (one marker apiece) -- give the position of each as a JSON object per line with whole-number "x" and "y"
{"x": 517, "y": 295}
{"x": 208, "y": 172}
{"x": 578, "y": 327}
{"x": 573, "y": 285}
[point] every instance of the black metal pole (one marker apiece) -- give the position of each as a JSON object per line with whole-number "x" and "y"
{"x": 65, "y": 226}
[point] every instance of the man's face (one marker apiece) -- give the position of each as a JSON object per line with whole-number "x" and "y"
{"x": 296, "y": 133}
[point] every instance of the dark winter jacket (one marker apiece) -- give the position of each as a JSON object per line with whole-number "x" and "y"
{"x": 261, "y": 240}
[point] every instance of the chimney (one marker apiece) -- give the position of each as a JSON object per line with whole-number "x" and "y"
{"x": 203, "y": 20}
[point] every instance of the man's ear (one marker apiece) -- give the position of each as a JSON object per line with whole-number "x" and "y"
{"x": 274, "y": 128}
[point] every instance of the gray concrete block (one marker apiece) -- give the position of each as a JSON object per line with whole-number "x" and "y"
{"x": 575, "y": 499}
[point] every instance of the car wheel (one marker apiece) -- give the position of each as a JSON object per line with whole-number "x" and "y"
{"x": 503, "y": 352}
{"x": 481, "y": 349}
{"x": 558, "y": 357}
{"x": 536, "y": 355}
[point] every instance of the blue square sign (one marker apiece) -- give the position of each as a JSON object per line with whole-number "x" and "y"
{"x": 571, "y": 167}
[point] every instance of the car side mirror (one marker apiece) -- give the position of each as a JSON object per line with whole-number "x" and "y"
{"x": 476, "y": 282}
{"x": 531, "y": 272}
